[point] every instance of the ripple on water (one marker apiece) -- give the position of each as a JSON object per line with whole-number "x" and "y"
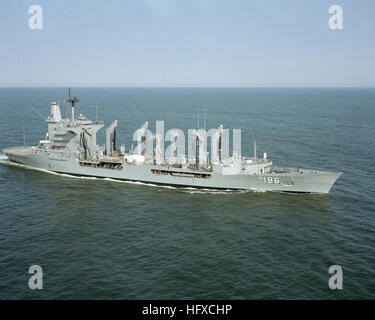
{"x": 98, "y": 238}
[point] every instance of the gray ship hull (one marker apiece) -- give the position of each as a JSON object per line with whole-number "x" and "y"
{"x": 282, "y": 180}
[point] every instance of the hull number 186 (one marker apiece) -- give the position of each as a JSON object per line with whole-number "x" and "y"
{"x": 270, "y": 179}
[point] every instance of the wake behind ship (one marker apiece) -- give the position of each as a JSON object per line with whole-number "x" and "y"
{"x": 70, "y": 147}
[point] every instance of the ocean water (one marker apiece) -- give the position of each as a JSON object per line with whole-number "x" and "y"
{"x": 100, "y": 239}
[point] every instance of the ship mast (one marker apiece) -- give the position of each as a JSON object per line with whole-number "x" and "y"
{"x": 72, "y": 101}
{"x": 220, "y": 143}
{"x": 255, "y": 151}
{"x": 24, "y": 137}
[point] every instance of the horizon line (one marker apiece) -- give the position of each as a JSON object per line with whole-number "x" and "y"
{"x": 198, "y": 87}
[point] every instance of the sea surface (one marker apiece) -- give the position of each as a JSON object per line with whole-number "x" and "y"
{"x": 100, "y": 239}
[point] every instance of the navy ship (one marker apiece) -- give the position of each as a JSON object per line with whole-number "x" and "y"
{"x": 70, "y": 147}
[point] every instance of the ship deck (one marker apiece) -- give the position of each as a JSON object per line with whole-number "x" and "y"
{"x": 19, "y": 150}
{"x": 282, "y": 170}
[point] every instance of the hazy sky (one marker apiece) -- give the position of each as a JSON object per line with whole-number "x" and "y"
{"x": 187, "y": 43}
